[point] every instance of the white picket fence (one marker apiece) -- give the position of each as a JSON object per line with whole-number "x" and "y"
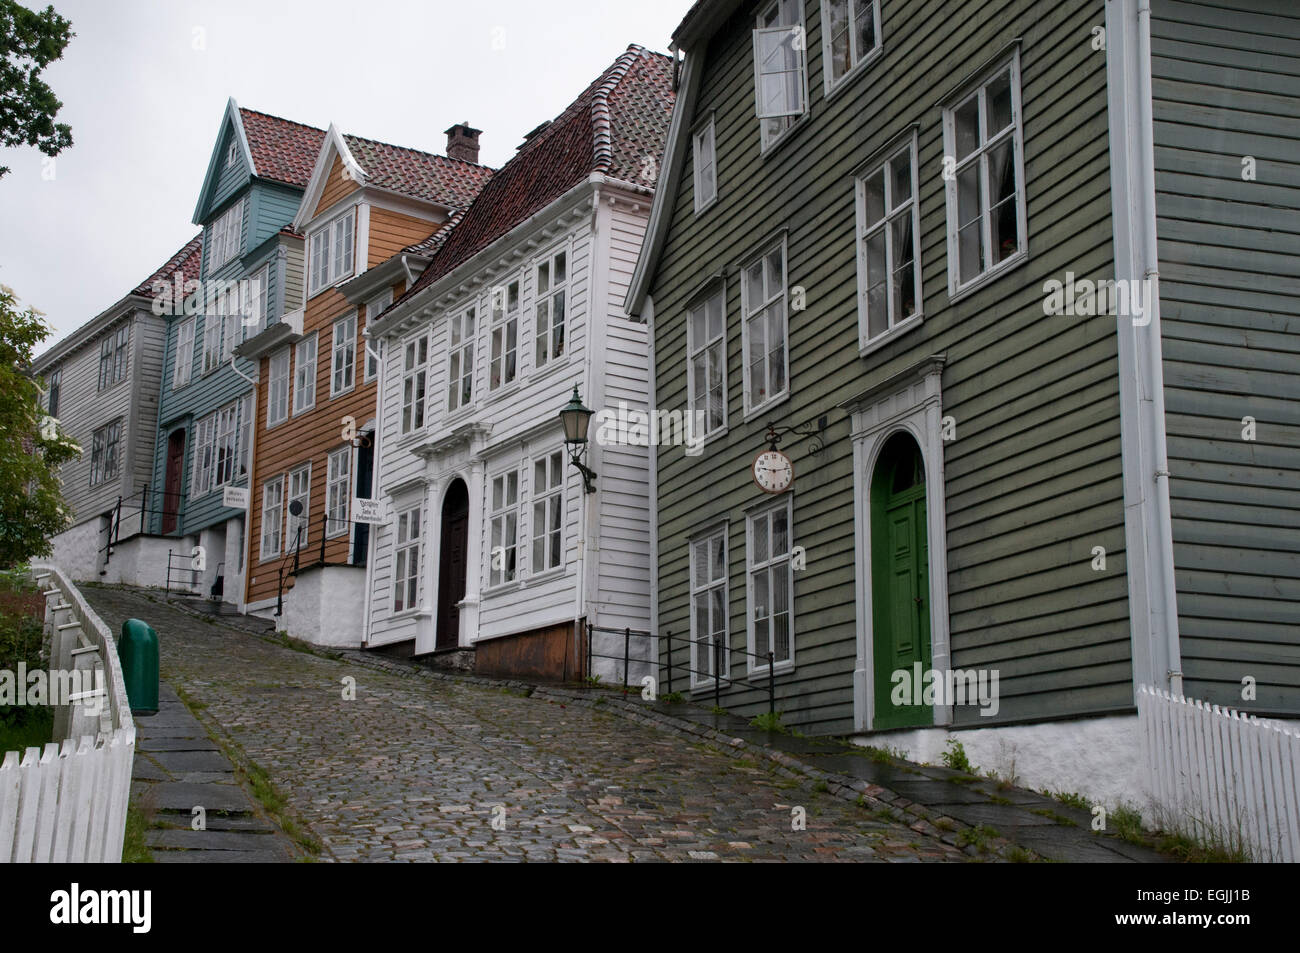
{"x": 68, "y": 802}
{"x": 1221, "y": 776}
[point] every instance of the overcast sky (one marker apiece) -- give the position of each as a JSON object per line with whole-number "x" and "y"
{"x": 144, "y": 84}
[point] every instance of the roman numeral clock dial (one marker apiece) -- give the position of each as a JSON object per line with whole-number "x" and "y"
{"x": 773, "y": 471}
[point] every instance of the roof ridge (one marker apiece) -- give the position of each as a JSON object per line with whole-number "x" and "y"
{"x": 420, "y": 152}
{"x": 288, "y": 122}
{"x": 602, "y": 146}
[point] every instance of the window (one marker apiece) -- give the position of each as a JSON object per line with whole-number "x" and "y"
{"x": 706, "y": 330}
{"x": 548, "y": 312}
{"x": 104, "y": 453}
{"x": 304, "y": 374}
{"x": 338, "y": 485}
{"x": 374, "y": 308}
{"x": 415, "y": 357}
{"x": 406, "y": 571}
{"x": 224, "y": 236}
{"x": 709, "y": 608}
{"x": 850, "y": 34}
{"x": 771, "y": 585}
{"x": 247, "y": 417}
{"x": 764, "y": 329}
{"x": 889, "y": 245}
{"x": 548, "y": 512}
{"x": 272, "y": 516}
{"x": 227, "y": 445}
{"x": 706, "y": 169}
{"x": 505, "y": 528}
{"x": 112, "y": 356}
{"x": 212, "y": 333}
{"x": 985, "y": 188}
{"x": 253, "y": 298}
{"x": 343, "y": 358}
{"x": 332, "y": 251}
{"x": 277, "y": 389}
{"x": 221, "y": 447}
{"x": 205, "y": 430}
{"x": 780, "y": 84}
{"x": 232, "y": 155}
{"x": 505, "y": 335}
{"x": 54, "y": 380}
{"x": 184, "y": 353}
{"x": 460, "y": 360}
{"x": 300, "y": 490}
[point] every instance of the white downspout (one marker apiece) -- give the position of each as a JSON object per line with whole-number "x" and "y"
{"x": 1164, "y": 600}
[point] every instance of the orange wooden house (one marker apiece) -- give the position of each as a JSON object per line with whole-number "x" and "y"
{"x": 369, "y": 219}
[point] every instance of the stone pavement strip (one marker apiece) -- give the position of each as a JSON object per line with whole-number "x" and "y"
{"x": 423, "y": 766}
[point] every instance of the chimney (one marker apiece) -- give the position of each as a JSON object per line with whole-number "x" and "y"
{"x": 462, "y": 142}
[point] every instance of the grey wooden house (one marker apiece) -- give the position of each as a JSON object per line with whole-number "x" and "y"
{"x": 901, "y": 219}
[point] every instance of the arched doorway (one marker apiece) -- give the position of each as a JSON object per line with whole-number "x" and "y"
{"x": 451, "y": 563}
{"x": 900, "y": 581}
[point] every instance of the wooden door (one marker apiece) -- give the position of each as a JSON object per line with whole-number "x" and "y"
{"x": 900, "y": 590}
{"x": 365, "y": 479}
{"x": 451, "y": 564}
{"x": 171, "y": 501}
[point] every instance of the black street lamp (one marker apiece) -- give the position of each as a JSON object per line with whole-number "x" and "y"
{"x": 576, "y": 419}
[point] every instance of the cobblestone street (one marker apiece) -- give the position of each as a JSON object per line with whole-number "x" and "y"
{"x": 416, "y": 769}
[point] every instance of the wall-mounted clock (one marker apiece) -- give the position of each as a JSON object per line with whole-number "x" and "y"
{"x": 773, "y": 471}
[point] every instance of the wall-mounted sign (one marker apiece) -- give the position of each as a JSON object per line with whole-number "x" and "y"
{"x": 235, "y": 497}
{"x": 374, "y": 512}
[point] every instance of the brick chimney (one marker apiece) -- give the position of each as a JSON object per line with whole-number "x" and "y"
{"x": 462, "y": 142}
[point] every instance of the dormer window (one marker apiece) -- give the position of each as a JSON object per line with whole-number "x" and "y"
{"x": 332, "y": 247}
{"x": 225, "y": 236}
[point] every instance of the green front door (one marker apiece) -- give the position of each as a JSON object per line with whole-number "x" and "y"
{"x": 900, "y": 586}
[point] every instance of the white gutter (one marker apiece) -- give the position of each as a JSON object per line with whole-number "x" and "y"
{"x": 1164, "y": 598}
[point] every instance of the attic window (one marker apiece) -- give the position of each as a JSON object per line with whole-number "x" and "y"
{"x": 232, "y": 155}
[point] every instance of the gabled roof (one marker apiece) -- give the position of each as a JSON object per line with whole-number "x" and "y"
{"x": 186, "y": 261}
{"x": 618, "y": 123}
{"x": 451, "y": 183}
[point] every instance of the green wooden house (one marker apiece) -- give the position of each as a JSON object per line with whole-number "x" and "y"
{"x": 1013, "y": 287}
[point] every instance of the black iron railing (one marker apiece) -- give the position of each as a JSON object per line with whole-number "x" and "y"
{"x": 718, "y": 652}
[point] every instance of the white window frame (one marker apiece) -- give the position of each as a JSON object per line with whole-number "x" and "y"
{"x": 232, "y": 151}
{"x": 300, "y": 473}
{"x": 462, "y": 343}
{"x": 748, "y": 312}
{"x": 225, "y": 454}
{"x": 415, "y": 383}
{"x": 858, "y": 59}
{"x": 407, "y": 540}
{"x": 247, "y": 420}
{"x": 304, "y": 374}
{"x": 753, "y": 568}
{"x": 705, "y": 135}
{"x": 254, "y": 295}
{"x": 338, "y": 492}
{"x": 551, "y": 523}
{"x": 276, "y": 506}
{"x": 343, "y": 355}
{"x": 222, "y": 442}
{"x": 332, "y": 251}
{"x": 204, "y": 448}
{"x": 183, "y": 368}
{"x": 979, "y": 158}
{"x": 106, "y": 453}
{"x": 767, "y": 26}
{"x": 277, "y": 388}
{"x": 503, "y": 320}
{"x": 498, "y": 520}
{"x": 226, "y": 236}
{"x": 716, "y": 534}
{"x": 555, "y": 292}
{"x": 696, "y": 351}
{"x": 113, "y": 356}
{"x": 374, "y": 308}
{"x": 899, "y": 150}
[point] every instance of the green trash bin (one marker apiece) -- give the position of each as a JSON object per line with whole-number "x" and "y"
{"x": 138, "y": 650}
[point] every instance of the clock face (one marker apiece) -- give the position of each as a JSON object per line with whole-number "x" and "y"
{"x": 773, "y": 471}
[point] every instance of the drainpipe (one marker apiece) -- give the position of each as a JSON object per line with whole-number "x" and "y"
{"x": 1165, "y": 595}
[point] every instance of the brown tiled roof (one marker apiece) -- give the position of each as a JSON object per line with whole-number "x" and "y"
{"x": 617, "y": 126}
{"x": 282, "y": 150}
{"x": 422, "y": 175}
{"x": 186, "y": 261}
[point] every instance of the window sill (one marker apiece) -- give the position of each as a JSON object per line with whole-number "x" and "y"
{"x": 501, "y": 589}
{"x": 551, "y": 367}
{"x": 993, "y": 274}
{"x": 503, "y": 391}
{"x": 774, "y": 144}
{"x": 767, "y": 405}
{"x": 409, "y": 614}
{"x": 833, "y": 88}
{"x": 305, "y": 410}
{"x": 897, "y": 331}
{"x": 342, "y": 393}
{"x": 556, "y": 572}
{"x": 780, "y": 668}
{"x": 707, "y": 205}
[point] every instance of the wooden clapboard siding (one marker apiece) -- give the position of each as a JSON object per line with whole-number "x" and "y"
{"x": 1033, "y": 479}
{"x": 308, "y": 437}
{"x": 337, "y": 185}
{"x": 1226, "y": 85}
{"x": 391, "y": 231}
